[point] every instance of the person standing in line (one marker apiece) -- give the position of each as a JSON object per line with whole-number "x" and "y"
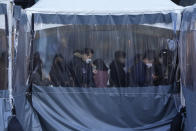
{"x": 101, "y": 75}
{"x": 117, "y": 71}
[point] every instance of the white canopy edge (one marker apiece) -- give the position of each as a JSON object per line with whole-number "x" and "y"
{"x": 103, "y": 12}
{"x": 42, "y": 26}
{"x": 6, "y": 1}
{"x": 104, "y": 7}
{"x": 47, "y": 26}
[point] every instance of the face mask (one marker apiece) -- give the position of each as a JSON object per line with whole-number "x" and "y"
{"x": 149, "y": 65}
{"x": 88, "y": 61}
{"x": 161, "y": 61}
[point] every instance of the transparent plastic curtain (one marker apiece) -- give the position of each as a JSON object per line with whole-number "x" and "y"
{"x": 3, "y": 60}
{"x": 5, "y": 111}
{"x": 3, "y": 52}
{"x": 104, "y": 56}
{"x": 187, "y": 64}
{"x": 82, "y": 72}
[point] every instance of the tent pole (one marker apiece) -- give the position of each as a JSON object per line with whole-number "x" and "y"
{"x": 10, "y": 56}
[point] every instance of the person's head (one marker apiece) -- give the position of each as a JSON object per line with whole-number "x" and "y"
{"x": 3, "y": 56}
{"x": 100, "y": 65}
{"x": 77, "y": 53}
{"x": 137, "y": 58}
{"x": 58, "y": 59}
{"x": 165, "y": 57}
{"x": 87, "y": 54}
{"x": 149, "y": 58}
{"x": 120, "y": 56}
{"x": 37, "y": 60}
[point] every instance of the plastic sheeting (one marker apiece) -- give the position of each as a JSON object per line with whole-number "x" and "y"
{"x": 95, "y": 60}
{"x": 103, "y": 56}
{"x": 116, "y": 109}
{"x": 3, "y": 61}
{"x": 190, "y": 98}
{"x": 3, "y": 9}
{"x": 5, "y": 110}
{"x": 153, "y": 12}
{"x": 188, "y": 63}
{"x": 24, "y": 111}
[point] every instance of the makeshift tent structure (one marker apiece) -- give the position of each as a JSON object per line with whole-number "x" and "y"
{"x": 126, "y": 85}
{"x": 187, "y": 63}
{"x": 5, "y": 109}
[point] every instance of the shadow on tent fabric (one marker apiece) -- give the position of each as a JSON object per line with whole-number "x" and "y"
{"x": 178, "y": 122}
{"x": 14, "y": 125}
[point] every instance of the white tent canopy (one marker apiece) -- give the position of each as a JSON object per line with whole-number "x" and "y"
{"x": 5, "y": 1}
{"x": 104, "y": 6}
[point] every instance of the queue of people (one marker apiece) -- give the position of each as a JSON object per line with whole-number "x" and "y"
{"x": 81, "y": 71}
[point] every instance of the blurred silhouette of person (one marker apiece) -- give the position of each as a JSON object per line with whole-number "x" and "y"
{"x": 60, "y": 74}
{"x": 64, "y": 48}
{"x": 117, "y": 71}
{"x": 157, "y": 73}
{"x": 74, "y": 67}
{"x": 82, "y": 69}
{"x": 37, "y": 75}
{"x": 142, "y": 71}
{"x": 137, "y": 59}
{"x": 3, "y": 71}
{"x": 165, "y": 58}
{"x": 87, "y": 68}
{"x": 101, "y": 75}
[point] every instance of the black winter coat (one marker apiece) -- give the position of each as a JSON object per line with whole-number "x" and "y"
{"x": 117, "y": 74}
{"x": 82, "y": 73}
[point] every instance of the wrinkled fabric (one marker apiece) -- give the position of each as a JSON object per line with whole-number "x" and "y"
{"x": 190, "y": 101}
{"x": 14, "y": 125}
{"x": 25, "y": 114}
{"x": 28, "y": 117}
{"x": 187, "y": 53}
{"x": 95, "y": 109}
{"x": 5, "y": 110}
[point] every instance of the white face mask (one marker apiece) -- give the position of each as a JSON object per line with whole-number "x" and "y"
{"x": 149, "y": 65}
{"x": 88, "y": 61}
